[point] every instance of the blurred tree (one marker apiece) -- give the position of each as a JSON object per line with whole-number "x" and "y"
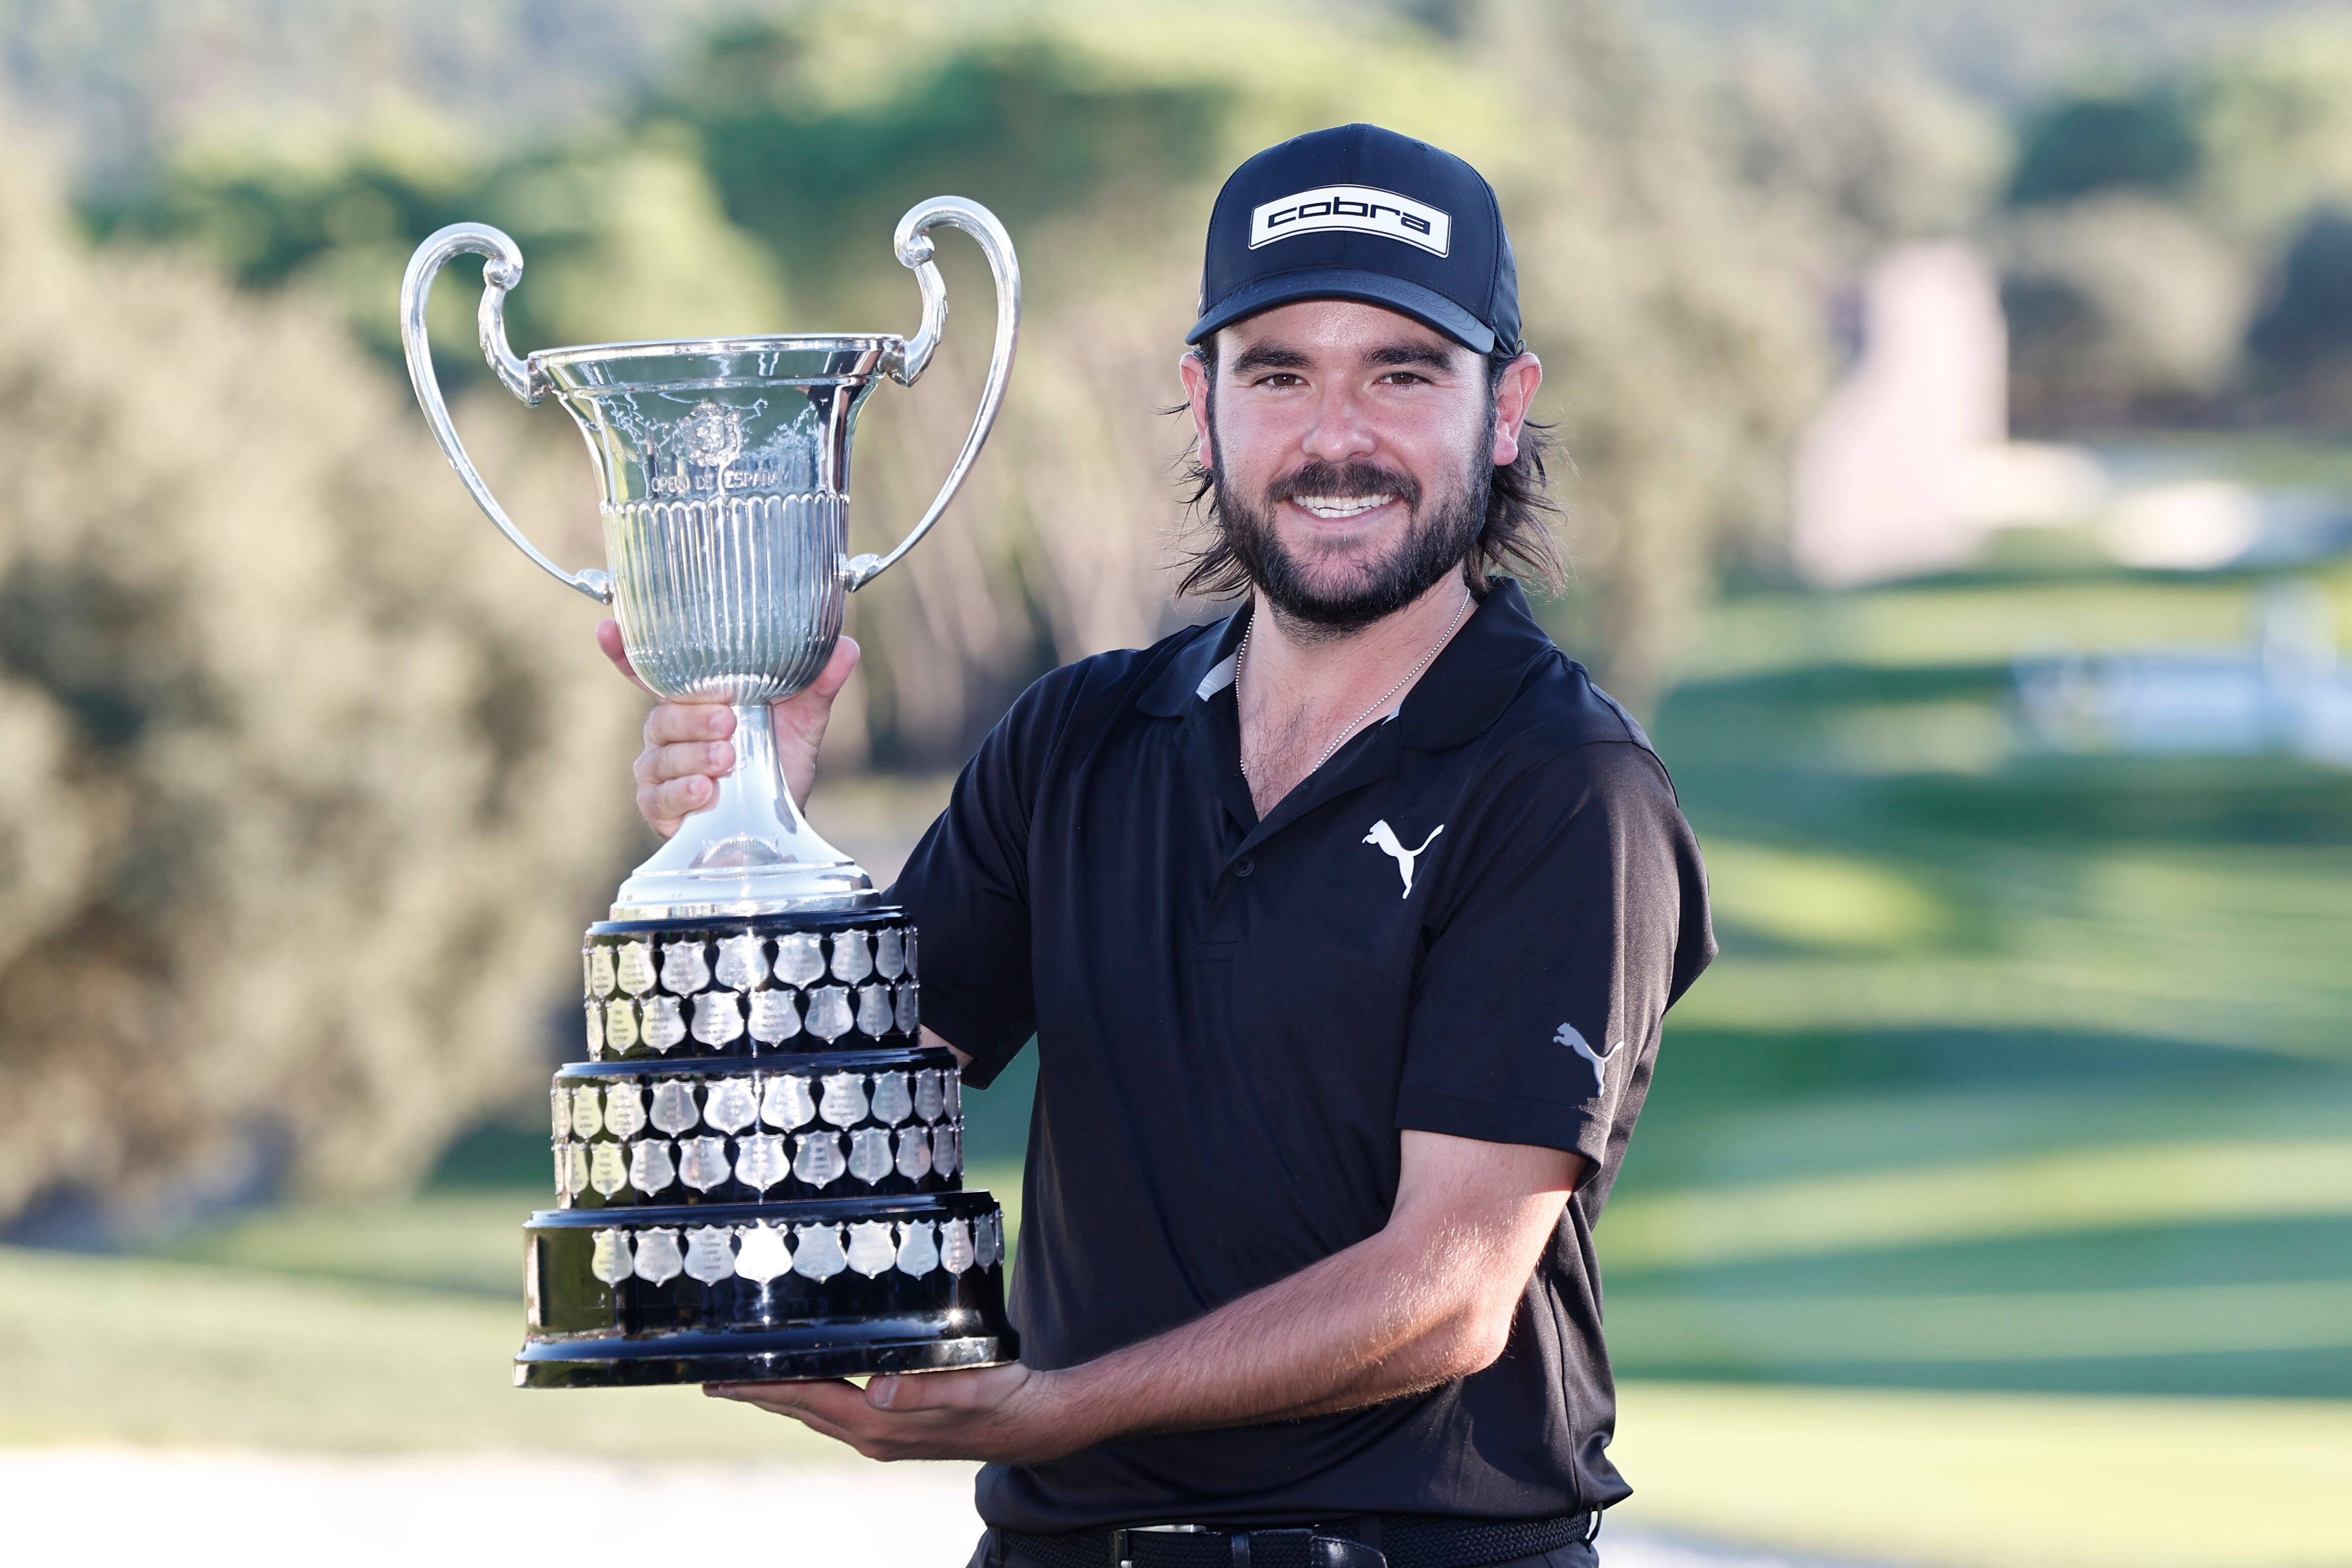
{"x": 2302, "y": 341}
{"x": 2083, "y": 143}
{"x": 2274, "y": 129}
{"x": 2120, "y": 308}
{"x": 310, "y": 786}
{"x": 623, "y": 235}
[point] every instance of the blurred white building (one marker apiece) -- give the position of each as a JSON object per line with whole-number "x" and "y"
{"x": 1908, "y": 468}
{"x": 1909, "y": 462}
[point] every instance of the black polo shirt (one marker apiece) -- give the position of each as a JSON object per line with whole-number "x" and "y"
{"x": 1468, "y": 921}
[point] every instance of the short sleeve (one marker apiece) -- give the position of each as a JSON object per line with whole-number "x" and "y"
{"x": 967, "y": 887}
{"x": 1571, "y": 918}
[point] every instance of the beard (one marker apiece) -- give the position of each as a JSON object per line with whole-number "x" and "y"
{"x": 1437, "y": 539}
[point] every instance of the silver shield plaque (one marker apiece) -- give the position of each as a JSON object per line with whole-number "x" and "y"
{"x": 817, "y": 1159}
{"x": 955, "y": 1246}
{"x": 674, "y": 1110}
{"x": 600, "y": 971}
{"x": 684, "y": 969}
{"x": 763, "y": 1255}
{"x": 890, "y": 952}
{"x": 559, "y": 1102}
{"x": 912, "y": 970}
{"x": 743, "y": 962}
{"x": 774, "y": 1016}
{"x": 595, "y": 1030}
{"x": 709, "y": 1254}
{"x": 844, "y": 1104}
{"x": 873, "y": 1010}
{"x": 908, "y": 1007}
{"x": 761, "y": 1160}
{"x": 608, "y": 1172}
{"x": 851, "y": 960}
{"x": 988, "y": 1239}
{"x": 800, "y": 957}
{"x": 718, "y": 1017}
{"x": 665, "y": 1023}
{"x": 729, "y": 1105}
{"x": 633, "y": 968}
{"x": 653, "y": 1165}
{"x": 892, "y": 1101}
{"x": 620, "y": 1026}
{"x": 787, "y": 1102}
{"x": 624, "y": 1110}
{"x": 571, "y": 1169}
{"x": 930, "y": 1094}
{"x": 869, "y": 1154}
{"x": 702, "y": 1161}
{"x": 613, "y": 1259}
{"x": 954, "y": 1087}
{"x": 587, "y": 1111}
{"x": 947, "y": 1148}
{"x": 914, "y": 1153}
{"x": 870, "y": 1251}
{"x": 658, "y": 1262}
{"x": 816, "y": 1251}
{"x": 918, "y": 1250}
{"x": 828, "y": 1013}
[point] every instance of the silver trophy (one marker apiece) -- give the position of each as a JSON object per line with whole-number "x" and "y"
{"x": 723, "y": 468}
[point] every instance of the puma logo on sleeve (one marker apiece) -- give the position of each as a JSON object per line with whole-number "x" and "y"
{"x": 1385, "y": 838}
{"x": 1569, "y": 1037}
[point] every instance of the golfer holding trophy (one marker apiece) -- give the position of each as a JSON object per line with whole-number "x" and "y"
{"x": 1343, "y": 928}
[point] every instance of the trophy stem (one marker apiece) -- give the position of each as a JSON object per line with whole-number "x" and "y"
{"x": 750, "y": 852}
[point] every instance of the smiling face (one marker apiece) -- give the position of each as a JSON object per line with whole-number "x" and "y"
{"x": 1353, "y": 451}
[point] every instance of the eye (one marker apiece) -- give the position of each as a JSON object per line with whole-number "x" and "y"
{"x": 1278, "y": 378}
{"x": 1404, "y": 378}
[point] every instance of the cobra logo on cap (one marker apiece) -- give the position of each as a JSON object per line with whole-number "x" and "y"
{"x": 1358, "y": 207}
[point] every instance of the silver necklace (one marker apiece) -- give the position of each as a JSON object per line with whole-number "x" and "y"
{"x": 1240, "y": 656}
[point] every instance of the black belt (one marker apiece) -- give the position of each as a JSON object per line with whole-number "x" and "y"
{"x": 1382, "y": 1540}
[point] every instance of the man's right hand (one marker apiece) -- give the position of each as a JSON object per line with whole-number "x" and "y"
{"x": 688, "y": 749}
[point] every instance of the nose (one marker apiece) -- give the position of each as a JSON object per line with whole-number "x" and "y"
{"x": 1340, "y": 432}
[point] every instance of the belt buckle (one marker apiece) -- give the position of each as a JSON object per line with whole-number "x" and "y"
{"x": 1122, "y": 1552}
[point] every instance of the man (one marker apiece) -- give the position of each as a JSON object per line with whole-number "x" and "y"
{"x": 1344, "y": 927}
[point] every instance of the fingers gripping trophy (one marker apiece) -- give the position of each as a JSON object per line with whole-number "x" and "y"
{"x": 758, "y": 1166}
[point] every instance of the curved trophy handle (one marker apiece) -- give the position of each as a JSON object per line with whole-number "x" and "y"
{"x": 907, "y": 365}
{"x": 502, "y": 270}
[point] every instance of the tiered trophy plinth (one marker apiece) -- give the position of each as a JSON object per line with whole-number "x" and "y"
{"x": 759, "y": 1166}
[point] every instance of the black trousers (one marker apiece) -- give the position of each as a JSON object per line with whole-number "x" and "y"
{"x": 1576, "y": 1554}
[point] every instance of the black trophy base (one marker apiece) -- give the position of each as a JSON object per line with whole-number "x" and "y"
{"x": 776, "y": 1292}
{"x": 751, "y": 1358}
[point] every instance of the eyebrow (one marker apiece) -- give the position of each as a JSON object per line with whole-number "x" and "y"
{"x": 1273, "y": 356}
{"x": 1426, "y": 355}
{"x": 1267, "y": 356}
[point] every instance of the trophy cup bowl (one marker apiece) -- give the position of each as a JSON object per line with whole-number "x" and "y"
{"x": 722, "y": 470}
{"x": 758, "y": 1168}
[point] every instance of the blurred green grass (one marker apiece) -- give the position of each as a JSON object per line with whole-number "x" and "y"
{"x": 2019, "y": 1071}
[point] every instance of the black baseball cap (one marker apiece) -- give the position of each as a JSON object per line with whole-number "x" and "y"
{"x": 1360, "y": 213}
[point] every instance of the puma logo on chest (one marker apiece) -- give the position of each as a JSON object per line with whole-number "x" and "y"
{"x": 1385, "y": 839}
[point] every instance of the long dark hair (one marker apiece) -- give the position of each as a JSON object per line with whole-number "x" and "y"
{"x": 1517, "y": 540}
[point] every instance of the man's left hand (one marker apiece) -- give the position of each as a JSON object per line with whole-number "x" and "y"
{"x": 1008, "y": 1415}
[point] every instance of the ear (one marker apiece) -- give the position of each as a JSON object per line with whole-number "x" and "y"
{"x": 1196, "y": 395}
{"x": 1515, "y": 394}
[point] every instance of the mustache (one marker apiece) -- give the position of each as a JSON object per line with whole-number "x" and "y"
{"x": 1341, "y": 481}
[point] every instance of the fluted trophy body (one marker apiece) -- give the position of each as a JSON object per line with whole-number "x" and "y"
{"x": 723, "y": 468}
{"x": 758, "y": 1165}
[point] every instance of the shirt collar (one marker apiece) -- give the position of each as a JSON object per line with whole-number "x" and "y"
{"x": 1461, "y": 694}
